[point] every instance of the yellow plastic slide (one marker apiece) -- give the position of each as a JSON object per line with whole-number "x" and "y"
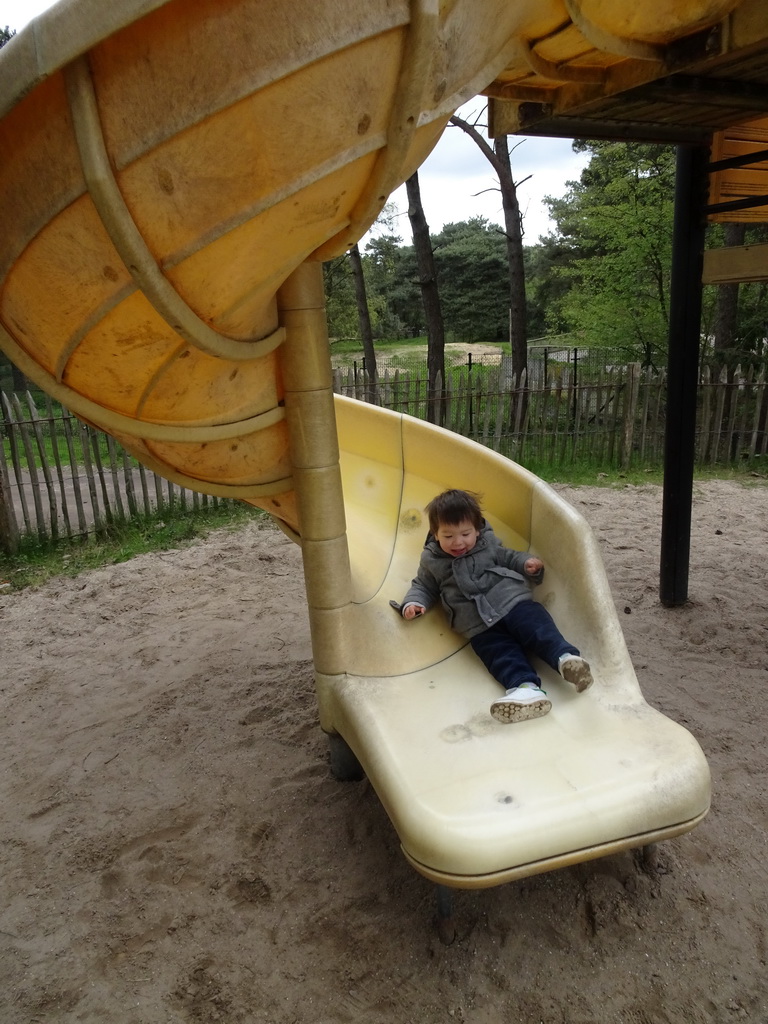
{"x": 476, "y": 802}
{"x": 172, "y": 175}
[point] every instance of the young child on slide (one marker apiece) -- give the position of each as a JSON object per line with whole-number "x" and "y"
{"x": 485, "y": 590}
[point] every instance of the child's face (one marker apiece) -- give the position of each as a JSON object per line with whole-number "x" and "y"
{"x": 457, "y": 539}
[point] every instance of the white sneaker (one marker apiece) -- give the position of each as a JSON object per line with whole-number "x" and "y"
{"x": 518, "y": 705}
{"x": 575, "y": 671}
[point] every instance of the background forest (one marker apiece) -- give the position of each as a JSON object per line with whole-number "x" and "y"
{"x": 600, "y": 279}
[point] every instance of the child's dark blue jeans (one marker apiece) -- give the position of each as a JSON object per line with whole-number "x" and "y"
{"x": 527, "y": 628}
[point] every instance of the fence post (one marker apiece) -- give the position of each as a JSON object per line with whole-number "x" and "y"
{"x": 69, "y": 437}
{"x": 85, "y": 451}
{"x": 435, "y": 401}
{"x": 39, "y": 437}
{"x": 753, "y": 446}
{"x": 705, "y": 426}
{"x": 630, "y": 411}
{"x": 53, "y": 433}
{"x": 9, "y": 529}
{"x": 37, "y": 497}
{"x": 717, "y": 430}
{"x": 469, "y": 392}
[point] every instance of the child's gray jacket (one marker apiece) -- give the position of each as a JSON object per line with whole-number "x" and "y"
{"x": 476, "y": 589}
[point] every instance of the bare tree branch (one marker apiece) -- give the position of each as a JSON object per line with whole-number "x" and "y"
{"x": 498, "y": 157}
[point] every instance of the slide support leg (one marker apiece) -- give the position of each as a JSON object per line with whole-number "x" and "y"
{"x": 305, "y": 365}
{"x": 649, "y": 858}
{"x": 691, "y": 185}
{"x": 446, "y": 928}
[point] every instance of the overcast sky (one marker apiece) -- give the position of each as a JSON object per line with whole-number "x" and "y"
{"x": 16, "y": 13}
{"x": 457, "y": 182}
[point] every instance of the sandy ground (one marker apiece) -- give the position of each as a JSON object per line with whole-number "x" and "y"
{"x": 175, "y": 850}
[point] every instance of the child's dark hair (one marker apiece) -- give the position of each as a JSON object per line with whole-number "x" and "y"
{"x": 453, "y": 507}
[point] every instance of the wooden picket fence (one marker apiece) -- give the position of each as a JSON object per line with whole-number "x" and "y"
{"x": 616, "y": 420}
{"x": 60, "y": 478}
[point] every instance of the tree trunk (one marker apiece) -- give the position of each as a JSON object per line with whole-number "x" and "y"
{"x": 513, "y": 230}
{"x": 498, "y": 157}
{"x": 430, "y": 297}
{"x": 727, "y": 309}
{"x": 19, "y": 382}
{"x": 364, "y": 317}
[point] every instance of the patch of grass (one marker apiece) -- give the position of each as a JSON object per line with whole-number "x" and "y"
{"x": 353, "y": 347}
{"x": 35, "y": 562}
{"x": 585, "y": 475}
{"x": 599, "y": 476}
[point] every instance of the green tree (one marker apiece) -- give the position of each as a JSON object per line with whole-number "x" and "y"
{"x": 614, "y": 245}
{"x": 471, "y": 258}
{"x": 340, "y": 303}
{"x": 393, "y": 287}
{"x": 739, "y": 328}
{"x": 545, "y": 287}
{"x": 430, "y": 297}
{"x": 359, "y": 289}
{"x": 364, "y": 320}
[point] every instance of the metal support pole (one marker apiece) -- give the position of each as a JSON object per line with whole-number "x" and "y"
{"x": 683, "y": 369}
{"x": 446, "y": 927}
{"x": 306, "y": 370}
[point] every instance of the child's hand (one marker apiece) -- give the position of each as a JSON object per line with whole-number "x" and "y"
{"x": 534, "y": 566}
{"x": 413, "y": 610}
